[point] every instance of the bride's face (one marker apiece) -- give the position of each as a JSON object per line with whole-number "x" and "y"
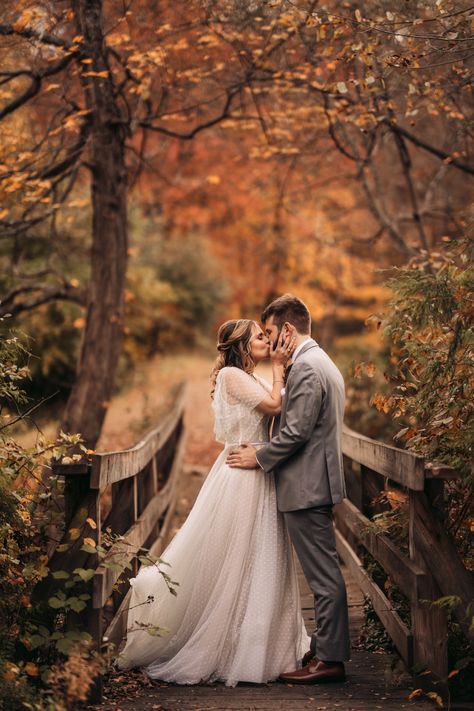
{"x": 259, "y": 344}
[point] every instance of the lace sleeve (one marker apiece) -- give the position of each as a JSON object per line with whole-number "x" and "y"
{"x": 239, "y": 388}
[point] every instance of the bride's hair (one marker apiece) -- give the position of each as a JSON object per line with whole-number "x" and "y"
{"x": 233, "y": 344}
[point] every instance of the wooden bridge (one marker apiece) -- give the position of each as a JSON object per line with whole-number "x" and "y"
{"x": 142, "y": 486}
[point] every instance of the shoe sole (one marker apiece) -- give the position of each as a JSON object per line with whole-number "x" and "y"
{"x": 323, "y": 680}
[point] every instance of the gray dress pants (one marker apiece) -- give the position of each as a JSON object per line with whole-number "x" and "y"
{"x": 312, "y": 534}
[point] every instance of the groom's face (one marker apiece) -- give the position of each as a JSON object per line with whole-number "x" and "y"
{"x": 271, "y": 330}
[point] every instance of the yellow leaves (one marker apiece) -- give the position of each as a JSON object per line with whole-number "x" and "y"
{"x": 4, "y": 213}
{"x": 74, "y": 533}
{"x": 436, "y": 698}
{"x": 90, "y": 542}
{"x": 79, "y": 323}
{"x": 341, "y": 87}
{"x": 358, "y": 15}
{"x": 208, "y": 40}
{"x": 181, "y": 44}
{"x": 213, "y": 179}
{"x": 79, "y": 202}
{"x": 415, "y": 693}
{"x": 91, "y": 522}
{"x": 74, "y": 283}
{"x": 453, "y": 673}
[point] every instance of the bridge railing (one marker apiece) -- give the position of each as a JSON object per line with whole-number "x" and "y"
{"x": 143, "y": 485}
{"x": 429, "y": 569}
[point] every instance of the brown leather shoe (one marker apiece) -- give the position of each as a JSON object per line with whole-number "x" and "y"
{"x": 315, "y": 672}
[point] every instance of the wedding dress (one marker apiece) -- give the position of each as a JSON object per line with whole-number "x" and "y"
{"x": 236, "y": 616}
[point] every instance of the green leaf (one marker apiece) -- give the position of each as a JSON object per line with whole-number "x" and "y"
{"x": 63, "y": 547}
{"x": 84, "y": 574}
{"x": 87, "y": 548}
{"x": 64, "y": 645}
{"x": 76, "y": 604}
{"x": 60, "y": 575}
{"x": 55, "y": 603}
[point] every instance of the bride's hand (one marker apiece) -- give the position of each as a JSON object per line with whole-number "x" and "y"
{"x": 284, "y": 348}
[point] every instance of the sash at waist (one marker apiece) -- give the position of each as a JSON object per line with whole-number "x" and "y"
{"x": 239, "y": 444}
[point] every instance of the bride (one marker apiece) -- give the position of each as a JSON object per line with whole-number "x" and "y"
{"x": 236, "y": 616}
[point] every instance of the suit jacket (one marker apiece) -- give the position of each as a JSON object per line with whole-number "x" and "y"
{"x": 305, "y": 455}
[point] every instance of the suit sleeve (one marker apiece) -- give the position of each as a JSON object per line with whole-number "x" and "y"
{"x": 305, "y": 397}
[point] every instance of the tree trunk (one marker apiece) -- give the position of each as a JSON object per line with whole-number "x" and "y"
{"x": 90, "y": 396}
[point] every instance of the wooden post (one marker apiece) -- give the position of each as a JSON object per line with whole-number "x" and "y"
{"x": 372, "y": 485}
{"x": 428, "y": 621}
{"x": 93, "y": 621}
{"x": 79, "y": 497}
{"x": 353, "y": 480}
{"x": 145, "y": 487}
{"x": 123, "y": 514}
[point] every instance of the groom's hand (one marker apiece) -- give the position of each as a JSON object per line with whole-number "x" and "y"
{"x": 243, "y": 458}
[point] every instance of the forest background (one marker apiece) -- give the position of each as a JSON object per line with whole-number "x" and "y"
{"x": 167, "y": 165}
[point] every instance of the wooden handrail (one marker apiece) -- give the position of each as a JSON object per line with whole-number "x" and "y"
{"x": 144, "y": 484}
{"x": 111, "y": 467}
{"x": 371, "y": 467}
{"x": 405, "y": 468}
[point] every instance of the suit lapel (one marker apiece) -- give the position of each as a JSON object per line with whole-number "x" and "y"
{"x": 307, "y": 346}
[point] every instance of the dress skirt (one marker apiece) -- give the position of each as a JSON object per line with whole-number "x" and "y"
{"x": 236, "y": 615}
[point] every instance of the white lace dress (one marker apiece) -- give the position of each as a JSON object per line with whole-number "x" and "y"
{"x": 236, "y": 616}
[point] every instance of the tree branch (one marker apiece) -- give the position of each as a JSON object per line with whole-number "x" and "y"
{"x": 35, "y": 85}
{"x": 427, "y": 147}
{"x": 30, "y": 33}
{"x": 197, "y": 129}
{"x": 45, "y": 295}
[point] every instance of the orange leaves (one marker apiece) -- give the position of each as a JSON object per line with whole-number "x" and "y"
{"x": 368, "y": 369}
{"x": 101, "y": 75}
{"x": 31, "y": 669}
{"x": 383, "y": 403}
{"x": 24, "y": 19}
{"x": 213, "y": 179}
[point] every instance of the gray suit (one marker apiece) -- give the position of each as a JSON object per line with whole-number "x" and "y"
{"x": 306, "y": 458}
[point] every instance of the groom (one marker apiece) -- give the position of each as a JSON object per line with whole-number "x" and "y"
{"x": 306, "y": 458}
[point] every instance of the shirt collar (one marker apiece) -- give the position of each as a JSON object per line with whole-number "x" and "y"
{"x": 298, "y": 350}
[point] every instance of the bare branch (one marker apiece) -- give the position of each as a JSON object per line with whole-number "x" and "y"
{"x": 428, "y": 147}
{"x": 30, "y": 33}
{"x": 197, "y": 129}
{"x": 406, "y": 169}
{"x": 35, "y": 85}
{"x": 44, "y": 295}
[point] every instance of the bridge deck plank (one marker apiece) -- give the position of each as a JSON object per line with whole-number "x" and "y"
{"x": 371, "y": 685}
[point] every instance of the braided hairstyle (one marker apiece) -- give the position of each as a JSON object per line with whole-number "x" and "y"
{"x": 233, "y": 344}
